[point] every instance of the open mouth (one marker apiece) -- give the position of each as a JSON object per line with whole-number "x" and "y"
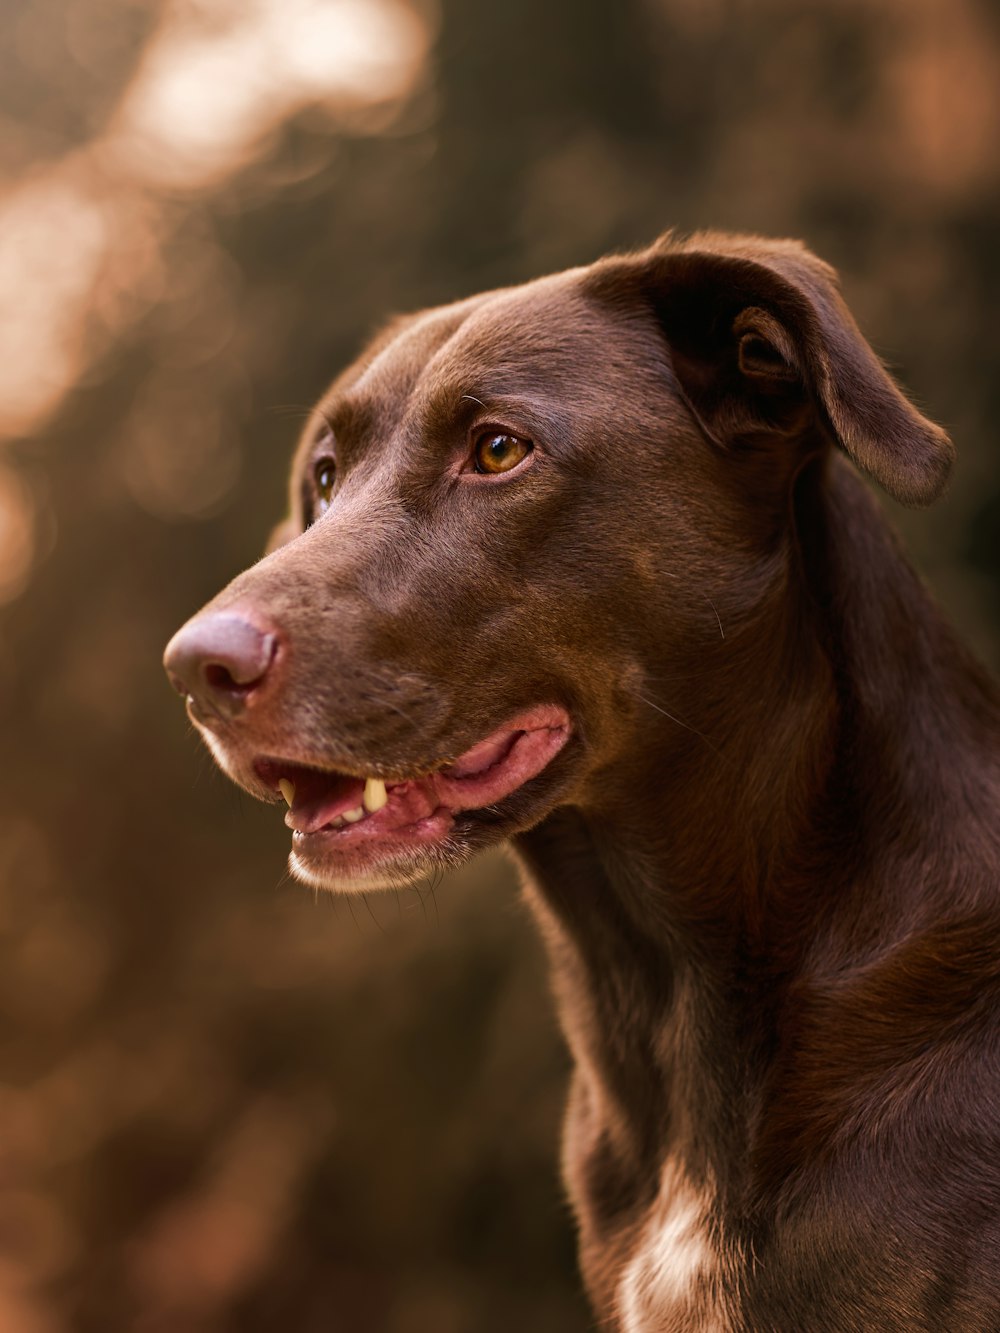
{"x": 347, "y": 826}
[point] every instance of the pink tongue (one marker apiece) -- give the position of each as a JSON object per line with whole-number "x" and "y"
{"x": 318, "y": 803}
{"x": 314, "y": 809}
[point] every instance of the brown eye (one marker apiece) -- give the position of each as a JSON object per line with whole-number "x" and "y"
{"x": 500, "y": 453}
{"x": 325, "y": 475}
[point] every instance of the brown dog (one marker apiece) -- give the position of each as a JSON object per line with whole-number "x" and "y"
{"x": 580, "y": 565}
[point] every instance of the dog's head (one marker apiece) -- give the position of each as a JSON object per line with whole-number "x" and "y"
{"x": 510, "y": 520}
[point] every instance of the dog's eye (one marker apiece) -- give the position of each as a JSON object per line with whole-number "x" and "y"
{"x": 325, "y": 475}
{"x": 499, "y": 453}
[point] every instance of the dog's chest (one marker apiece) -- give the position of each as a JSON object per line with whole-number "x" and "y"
{"x": 674, "y": 1277}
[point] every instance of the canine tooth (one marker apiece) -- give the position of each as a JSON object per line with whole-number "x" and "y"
{"x": 352, "y": 816}
{"x": 287, "y": 790}
{"x": 375, "y": 795}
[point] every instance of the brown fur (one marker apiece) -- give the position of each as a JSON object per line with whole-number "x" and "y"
{"x": 767, "y": 864}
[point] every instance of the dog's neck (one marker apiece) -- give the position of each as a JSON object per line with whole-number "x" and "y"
{"x": 680, "y": 912}
{"x": 645, "y": 902}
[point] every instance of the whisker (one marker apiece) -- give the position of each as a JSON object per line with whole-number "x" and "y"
{"x": 378, "y": 924}
{"x": 661, "y": 677}
{"x": 436, "y": 878}
{"x": 423, "y": 905}
{"x": 715, "y": 609}
{"x": 670, "y": 575}
{"x": 284, "y": 878}
{"x": 687, "y": 727}
{"x": 398, "y": 711}
{"x": 350, "y": 908}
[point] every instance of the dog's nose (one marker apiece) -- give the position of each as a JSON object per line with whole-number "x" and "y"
{"x": 218, "y": 660}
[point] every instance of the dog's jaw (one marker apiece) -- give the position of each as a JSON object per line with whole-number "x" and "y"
{"x": 356, "y": 833}
{"x": 398, "y": 872}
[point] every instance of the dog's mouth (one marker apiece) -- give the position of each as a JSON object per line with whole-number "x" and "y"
{"x": 349, "y": 829}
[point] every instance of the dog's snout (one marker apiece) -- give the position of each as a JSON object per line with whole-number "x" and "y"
{"x": 219, "y": 659}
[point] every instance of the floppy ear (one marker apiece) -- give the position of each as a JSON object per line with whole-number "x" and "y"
{"x": 761, "y": 341}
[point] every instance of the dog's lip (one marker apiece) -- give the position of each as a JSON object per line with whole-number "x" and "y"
{"x": 328, "y": 801}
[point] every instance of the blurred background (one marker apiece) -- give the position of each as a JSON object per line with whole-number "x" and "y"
{"x": 226, "y": 1104}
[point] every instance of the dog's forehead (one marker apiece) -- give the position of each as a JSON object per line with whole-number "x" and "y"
{"x": 544, "y": 333}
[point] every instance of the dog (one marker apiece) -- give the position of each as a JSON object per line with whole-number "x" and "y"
{"x": 586, "y": 566}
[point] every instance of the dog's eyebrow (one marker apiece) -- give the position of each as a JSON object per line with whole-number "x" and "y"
{"x": 349, "y": 420}
{"x": 526, "y": 411}
{"x": 468, "y": 405}
{"x": 447, "y": 410}
{"x": 318, "y": 428}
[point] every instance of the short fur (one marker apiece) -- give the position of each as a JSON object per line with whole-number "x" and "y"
{"x": 767, "y": 864}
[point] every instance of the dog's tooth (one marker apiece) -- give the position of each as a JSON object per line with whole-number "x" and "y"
{"x": 352, "y": 816}
{"x": 375, "y": 795}
{"x": 337, "y": 821}
{"x": 287, "y": 790}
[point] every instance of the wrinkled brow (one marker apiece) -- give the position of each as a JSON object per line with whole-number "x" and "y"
{"x": 444, "y": 412}
{"x": 350, "y": 419}
{"x": 353, "y": 422}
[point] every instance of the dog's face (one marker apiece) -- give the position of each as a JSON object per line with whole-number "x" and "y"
{"x": 454, "y": 610}
{"x": 510, "y": 519}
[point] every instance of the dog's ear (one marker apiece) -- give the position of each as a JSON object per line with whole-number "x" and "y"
{"x": 760, "y": 337}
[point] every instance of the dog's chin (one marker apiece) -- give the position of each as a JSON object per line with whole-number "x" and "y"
{"x": 376, "y": 866}
{"x": 397, "y": 872}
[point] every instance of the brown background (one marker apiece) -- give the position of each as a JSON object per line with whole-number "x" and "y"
{"x": 224, "y": 1104}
